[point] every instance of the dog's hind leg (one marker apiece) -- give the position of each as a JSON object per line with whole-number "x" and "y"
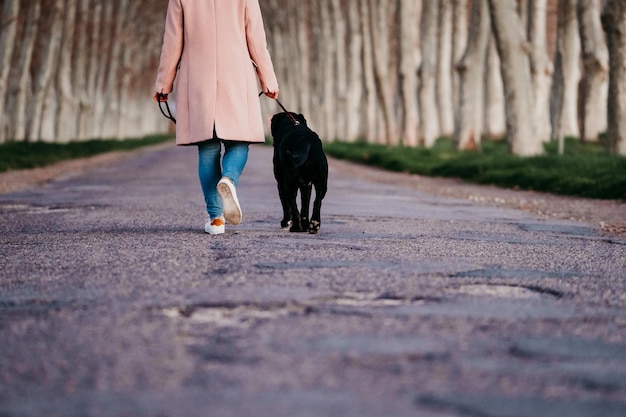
{"x": 316, "y": 218}
{"x": 305, "y": 198}
{"x": 286, "y": 221}
{"x": 293, "y": 207}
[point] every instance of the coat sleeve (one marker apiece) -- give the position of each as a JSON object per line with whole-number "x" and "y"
{"x": 257, "y": 46}
{"x": 173, "y": 40}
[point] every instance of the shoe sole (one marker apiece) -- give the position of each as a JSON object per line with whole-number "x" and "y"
{"x": 232, "y": 210}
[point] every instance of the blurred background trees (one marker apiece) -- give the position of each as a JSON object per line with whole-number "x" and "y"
{"x": 383, "y": 71}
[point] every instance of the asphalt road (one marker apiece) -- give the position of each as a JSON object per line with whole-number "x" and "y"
{"x": 114, "y": 302}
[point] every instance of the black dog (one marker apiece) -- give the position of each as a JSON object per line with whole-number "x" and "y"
{"x": 299, "y": 164}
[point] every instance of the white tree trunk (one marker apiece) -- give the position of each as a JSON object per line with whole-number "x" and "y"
{"x": 371, "y": 103}
{"x": 594, "y": 82}
{"x": 21, "y": 92}
{"x": 459, "y": 42}
{"x": 428, "y": 74}
{"x": 445, "y": 104}
{"x": 494, "y": 123}
{"x": 380, "y": 11}
{"x": 564, "y": 106}
{"x": 355, "y": 78}
{"x": 66, "y": 116}
{"x": 51, "y": 32}
{"x": 410, "y": 11}
{"x": 515, "y": 65}
{"x": 614, "y": 22}
{"x": 540, "y": 66}
{"x": 471, "y": 68}
{"x": 8, "y": 33}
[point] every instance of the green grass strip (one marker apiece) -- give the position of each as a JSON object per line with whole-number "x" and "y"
{"x": 585, "y": 169}
{"x": 22, "y": 155}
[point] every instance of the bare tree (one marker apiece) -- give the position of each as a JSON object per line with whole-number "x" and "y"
{"x": 494, "y": 121}
{"x": 409, "y": 11}
{"x": 514, "y": 60}
{"x": 8, "y": 33}
{"x": 355, "y": 70}
{"x": 428, "y": 74}
{"x": 467, "y": 134}
{"x": 381, "y": 13}
{"x": 594, "y": 82}
{"x": 563, "y": 113}
{"x": 445, "y": 106}
{"x": 614, "y": 22}
{"x": 540, "y": 66}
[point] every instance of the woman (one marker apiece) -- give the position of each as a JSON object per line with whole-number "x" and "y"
{"x": 215, "y": 50}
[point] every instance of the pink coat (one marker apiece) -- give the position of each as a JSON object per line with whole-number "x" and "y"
{"x": 215, "y": 58}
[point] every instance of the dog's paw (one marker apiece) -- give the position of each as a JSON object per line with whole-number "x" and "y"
{"x": 285, "y": 224}
{"x": 304, "y": 223}
{"x": 314, "y": 227}
{"x": 296, "y": 228}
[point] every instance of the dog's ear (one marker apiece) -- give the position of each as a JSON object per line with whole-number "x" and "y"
{"x": 301, "y": 119}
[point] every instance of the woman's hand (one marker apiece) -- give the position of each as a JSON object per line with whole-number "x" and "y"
{"x": 272, "y": 94}
{"x": 160, "y": 97}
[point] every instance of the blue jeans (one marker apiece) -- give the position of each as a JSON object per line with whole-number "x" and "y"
{"x": 210, "y": 170}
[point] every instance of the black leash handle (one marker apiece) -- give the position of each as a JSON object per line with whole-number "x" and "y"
{"x": 167, "y": 107}
{"x": 287, "y": 112}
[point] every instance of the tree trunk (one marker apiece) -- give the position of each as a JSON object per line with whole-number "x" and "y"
{"x": 371, "y": 104}
{"x": 494, "y": 123}
{"x": 21, "y": 92}
{"x": 8, "y": 33}
{"x": 49, "y": 39}
{"x": 614, "y": 22}
{"x": 459, "y": 42}
{"x": 540, "y": 66}
{"x": 594, "y": 82}
{"x": 409, "y": 12}
{"x": 445, "y": 105}
{"x": 563, "y": 113}
{"x": 355, "y": 76}
{"x": 379, "y": 26}
{"x": 67, "y": 110}
{"x": 471, "y": 69}
{"x": 514, "y": 61}
{"x": 428, "y": 77}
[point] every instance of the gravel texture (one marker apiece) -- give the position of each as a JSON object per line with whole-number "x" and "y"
{"x": 419, "y": 297}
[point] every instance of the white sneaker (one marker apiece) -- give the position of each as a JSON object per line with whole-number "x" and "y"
{"x": 232, "y": 210}
{"x": 215, "y": 226}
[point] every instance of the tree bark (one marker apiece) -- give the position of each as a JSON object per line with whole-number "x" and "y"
{"x": 409, "y": 12}
{"x": 355, "y": 75}
{"x": 563, "y": 113}
{"x": 8, "y": 33}
{"x": 428, "y": 77}
{"x": 471, "y": 68}
{"x": 21, "y": 92}
{"x": 594, "y": 82}
{"x": 66, "y": 117}
{"x": 459, "y": 42}
{"x": 445, "y": 104}
{"x": 371, "y": 113}
{"x": 540, "y": 66}
{"x": 48, "y": 43}
{"x": 614, "y": 22}
{"x": 380, "y": 13}
{"x": 494, "y": 122}
{"x": 513, "y": 50}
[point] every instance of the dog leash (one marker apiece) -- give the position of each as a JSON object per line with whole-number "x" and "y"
{"x": 288, "y": 113}
{"x": 167, "y": 107}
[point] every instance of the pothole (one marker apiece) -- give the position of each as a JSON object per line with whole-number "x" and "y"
{"x": 365, "y": 299}
{"x": 506, "y": 291}
{"x": 235, "y": 316}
